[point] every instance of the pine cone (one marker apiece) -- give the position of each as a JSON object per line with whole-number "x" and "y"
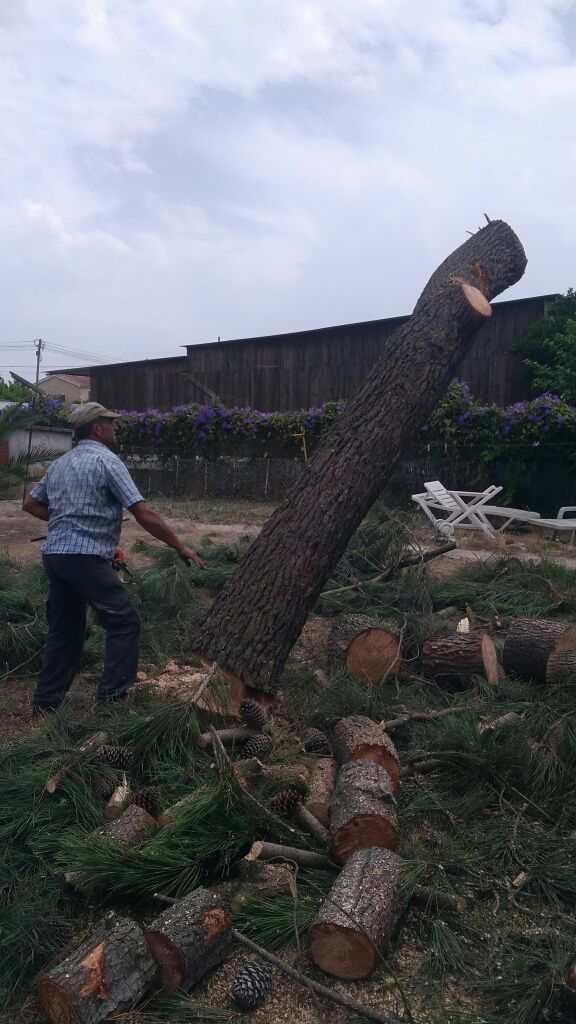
{"x": 286, "y": 801}
{"x": 251, "y": 984}
{"x": 149, "y": 798}
{"x": 253, "y": 714}
{"x": 258, "y": 746}
{"x": 317, "y": 743}
{"x": 118, "y": 757}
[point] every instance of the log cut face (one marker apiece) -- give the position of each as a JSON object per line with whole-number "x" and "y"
{"x": 190, "y": 938}
{"x": 530, "y": 642}
{"x": 259, "y": 614}
{"x": 362, "y": 812}
{"x": 370, "y": 650}
{"x": 359, "y": 914}
{"x": 109, "y": 973}
{"x": 357, "y": 738}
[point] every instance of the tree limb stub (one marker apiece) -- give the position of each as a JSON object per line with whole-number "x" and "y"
{"x": 259, "y": 614}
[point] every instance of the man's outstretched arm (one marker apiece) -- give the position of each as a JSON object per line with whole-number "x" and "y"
{"x": 157, "y": 527}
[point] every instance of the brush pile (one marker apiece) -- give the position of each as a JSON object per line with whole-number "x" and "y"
{"x": 420, "y": 828}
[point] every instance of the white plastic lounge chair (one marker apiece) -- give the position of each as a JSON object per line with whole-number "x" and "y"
{"x": 467, "y": 510}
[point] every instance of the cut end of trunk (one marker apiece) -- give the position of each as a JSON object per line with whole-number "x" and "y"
{"x": 476, "y": 299}
{"x": 167, "y": 956}
{"x": 373, "y": 655}
{"x": 56, "y": 1004}
{"x": 341, "y": 952}
{"x": 364, "y": 831}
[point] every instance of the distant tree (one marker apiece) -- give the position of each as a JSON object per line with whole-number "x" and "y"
{"x": 13, "y": 392}
{"x": 548, "y": 348}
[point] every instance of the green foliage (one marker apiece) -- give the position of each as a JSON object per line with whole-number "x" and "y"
{"x": 511, "y": 588}
{"x": 549, "y": 349}
{"x": 13, "y": 392}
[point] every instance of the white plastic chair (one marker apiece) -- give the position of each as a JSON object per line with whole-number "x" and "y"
{"x": 467, "y": 510}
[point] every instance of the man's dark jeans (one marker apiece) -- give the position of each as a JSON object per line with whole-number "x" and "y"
{"x": 75, "y": 581}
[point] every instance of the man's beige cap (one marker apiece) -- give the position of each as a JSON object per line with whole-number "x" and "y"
{"x": 90, "y": 411}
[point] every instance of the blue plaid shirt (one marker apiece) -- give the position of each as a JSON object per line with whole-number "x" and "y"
{"x": 85, "y": 491}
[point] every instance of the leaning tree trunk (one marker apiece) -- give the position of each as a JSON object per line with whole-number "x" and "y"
{"x": 260, "y": 612}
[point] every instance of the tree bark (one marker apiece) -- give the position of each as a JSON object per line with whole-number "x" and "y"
{"x": 119, "y": 801}
{"x": 370, "y": 650}
{"x": 267, "y": 879}
{"x": 461, "y": 656}
{"x": 356, "y": 921}
{"x": 271, "y": 777}
{"x": 358, "y": 738}
{"x": 275, "y": 851}
{"x": 529, "y": 644}
{"x": 189, "y": 938}
{"x": 132, "y": 827}
{"x": 110, "y": 972}
{"x": 322, "y": 783}
{"x": 259, "y": 614}
{"x": 309, "y": 823}
{"x": 561, "y": 668}
{"x": 362, "y": 812}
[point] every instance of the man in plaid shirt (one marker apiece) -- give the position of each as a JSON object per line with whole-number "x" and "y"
{"x": 82, "y": 498}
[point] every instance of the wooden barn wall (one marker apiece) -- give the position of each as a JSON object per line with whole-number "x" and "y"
{"x": 291, "y": 371}
{"x": 307, "y": 369}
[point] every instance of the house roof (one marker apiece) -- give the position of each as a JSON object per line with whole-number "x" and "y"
{"x": 73, "y": 378}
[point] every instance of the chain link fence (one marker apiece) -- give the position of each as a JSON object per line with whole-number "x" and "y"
{"x": 225, "y": 477}
{"x": 257, "y": 477}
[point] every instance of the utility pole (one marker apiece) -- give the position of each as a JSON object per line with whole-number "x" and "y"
{"x": 38, "y": 346}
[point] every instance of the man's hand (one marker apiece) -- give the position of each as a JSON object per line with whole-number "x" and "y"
{"x": 36, "y": 509}
{"x": 188, "y": 555}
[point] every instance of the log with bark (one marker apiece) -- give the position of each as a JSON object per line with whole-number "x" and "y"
{"x": 322, "y": 783}
{"x": 561, "y": 668}
{"x": 529, "y": 644}
{"x": 355, "y": 922}
{"x": 188, "y": 939}
{"x": 271, "y": 776}
{"x": 369, "y": 649}
{"x": 358, "y": 738}
{"x": 133, "y": 826}
{"x": 458, "y": 657}
{"x": 259, "y": 614}
{"x": 109, "y": 973}
{"x": 362, "y": 812}
{"x": 276, "y": 851}
{"x": 267, "y": 879}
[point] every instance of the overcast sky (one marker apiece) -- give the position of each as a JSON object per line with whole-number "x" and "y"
{"x": 177, "y": 170}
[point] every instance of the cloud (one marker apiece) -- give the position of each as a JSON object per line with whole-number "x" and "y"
{"x": 172, "y": 171}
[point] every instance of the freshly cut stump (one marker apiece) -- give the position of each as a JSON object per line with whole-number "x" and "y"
{"x": 529, "y": 644}
{"x": 362, "y": 811}
{"x": 189, "y": 938}
{"x": 110, "y": 972}
{"x": 322, "y": 783}
{"x": 370, "y": 649}
{"x": 358, "y": 738}
{"x": 359, "y": 914}
{"x": 460, "y": 656}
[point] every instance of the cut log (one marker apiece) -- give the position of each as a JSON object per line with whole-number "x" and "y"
{"x": 133, "y": 826}
{"x": 119, "y": 801}
{"x": 530, "y": 642}
{"x": 496, "y": 725}
{"x": 267, "y": 879}
{"x": 357, "y": 919}
{"x": 357, "y": 738}
{"x": 257, "y": 617}
{"x": 239, "y": 734}
{"x": 189, "y": 938}
{"x": 561, "y": 668}
{"x": 362, "y": 812}
{"x": 271, "y": 776}
{"x": 452, "y": 658}
{"x": 322, "y": 783}
{"x": 275, "y": 851}
{"x": 369, "y": 649}
{"x": 309, "y": 822}
{"x": 109, "y": 973}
